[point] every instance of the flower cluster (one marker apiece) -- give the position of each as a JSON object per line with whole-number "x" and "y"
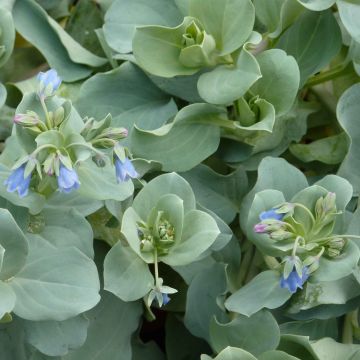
{"x": 282, "y": 224}
{"x": 56, "y": 155}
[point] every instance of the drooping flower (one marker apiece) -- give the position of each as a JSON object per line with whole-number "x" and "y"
{"x": 294, "y": 281}
{"x": 17, "y": 181}
{"x": 68, "y": 179}
{"x": 166, "y": 298}
{"x": 124, "y": 170}
{"x": 49, "y": 83}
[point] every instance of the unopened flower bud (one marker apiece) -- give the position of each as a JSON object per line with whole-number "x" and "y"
{"x": 58, "y": 116}
{"x": 29, "y": 119}
{"x": 331, "y": 252}
{"x": 281, "y": 235}
{"x": 312, "y": 263}
{"x": 337, "y": 243}
{"x": 114, "y": 133}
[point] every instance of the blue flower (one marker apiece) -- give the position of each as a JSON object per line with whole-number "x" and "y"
{"x": 166, "y": 298}
{"x": 271, "y": 214}
{"x": 68, "y": 179}
{"x": 124, "y": 170}
{"x": 17, "y": 181}
{"x": 49, "y": 83}
{"x": 294, "y": 281}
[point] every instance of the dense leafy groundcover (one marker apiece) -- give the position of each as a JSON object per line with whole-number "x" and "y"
{"x": 179, "y": 179}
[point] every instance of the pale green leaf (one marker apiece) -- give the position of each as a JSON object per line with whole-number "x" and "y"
{"x": 126, "y": 275}
{"x": 122, "y": 18}
{"x": 230, "y": 22}
{"x": 263, "y": 291}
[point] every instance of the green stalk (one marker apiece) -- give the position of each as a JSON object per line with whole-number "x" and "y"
{"x": 338, "y": 71}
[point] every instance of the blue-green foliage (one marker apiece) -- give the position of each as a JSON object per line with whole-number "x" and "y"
{"x": 179, "y": 179}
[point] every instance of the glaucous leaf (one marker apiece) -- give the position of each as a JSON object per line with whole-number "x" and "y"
{"x": 236, "y": 333}
{"x": 126, "y": 275}
{"x": 32, "y": 22}
{"x": 157, "y": 50}
{"x": 232, "y": 353}
{"x": 56, "y": 338}
{"x": 318, "y": 40}
{"x": 128, "y": 95}
{"x": 14, "y": 246}
{"x": 112, "y": 323}
{"x": 227, "y": 83}
{"x": 201, "y": 300}
{"x": 347, "y": 110}
{"x": 280, "y": 79}
{"x": 263, "y": 291}
{"x": 230, "y": 22}
{"x": 7, "y": 36}
{"x": 55, "y": 284}
{"x": 329, "y": 150}
{"x": 100, "y": 183}
{"x": 8, "y": 299}
{"x": 123, "y": 16}
{"x": 191, "y": 129}
{"x": 349, "y": 14}
{"x": 164, "y": 184}
{"x": 317, "y": 5}
{"x": 221, "y": 194}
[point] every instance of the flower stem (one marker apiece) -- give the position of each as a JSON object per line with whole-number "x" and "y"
{"x": 156, "y": 266}
{"x": 307, "y": 211}
{"x": 43, "y": 105}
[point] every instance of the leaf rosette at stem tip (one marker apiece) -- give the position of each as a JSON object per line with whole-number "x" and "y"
{"x": 205, "y": 38}
{"x": 302, "y": 234}
{"x": 56, "y": 143}
{"x": 163, "y": 223}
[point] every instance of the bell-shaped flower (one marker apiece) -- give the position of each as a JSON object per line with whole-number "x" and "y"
{"x": 18, "y": 182}
{"x": 67, "y": 179}
{"x": 124, "y": 169}
{"x": 49, "y": 83}
{"x": 294, "y": 281}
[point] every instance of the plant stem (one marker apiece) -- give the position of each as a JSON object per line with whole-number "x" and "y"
{"x": 271, "y": 262}
{"x": 347, "y": 335}
{"x": 43, "y": 105}
{"x": 156, "y": 267}
{"x": 307, "y": 211}
{"x": 338, "y": 71}
{"x": 245, "y": 263}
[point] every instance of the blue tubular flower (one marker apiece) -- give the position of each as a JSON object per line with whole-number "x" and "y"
{"x": 166, "y": 299}
{"x": 49, "y": 83}
{"x": 271, "y": 214}
{"x": 124, "y": 170}
{"x": 294, "y": 281}
{"x": 68, "y": 179}
{"x": 17, "y": 181}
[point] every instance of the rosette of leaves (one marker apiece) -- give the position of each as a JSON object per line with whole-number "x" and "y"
{"x": 335, "y": 269}
{"x": 208, "y": 40}
{"x": 162, "y": 225}
{"x": 261, "y": 113}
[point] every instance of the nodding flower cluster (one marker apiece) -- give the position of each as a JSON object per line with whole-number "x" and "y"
{"x": 58, "y": 162}
{"x": 280, "y": 223}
